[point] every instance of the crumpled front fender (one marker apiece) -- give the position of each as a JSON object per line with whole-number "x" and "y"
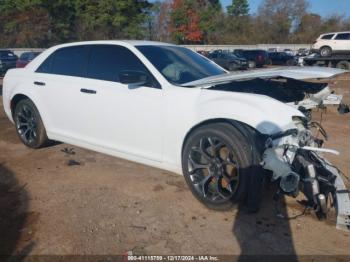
{"x": 263, "y": 113}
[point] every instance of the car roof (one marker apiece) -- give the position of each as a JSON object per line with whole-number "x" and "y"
{"x": 343, "y": 32}
{"x": 117, "y": 42}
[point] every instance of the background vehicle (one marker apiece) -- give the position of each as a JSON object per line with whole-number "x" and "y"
{"x": 7, "y": 61}
{"x": 272, "y": 49}
{"x": 228, "y": 60}
{"x": 255, "y": 57}
{"x": 289, "y": 51}
{"x": 332, "y": 43}
{"x": 203, "y": 52}
{"x": 282, "y": 58}
{"x": 25, "y": 58}
{"x": 335, "y": 61}
{"x": 303, "y": 52}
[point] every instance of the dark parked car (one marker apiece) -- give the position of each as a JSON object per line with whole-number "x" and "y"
{"x": 255, "y": 57}
{"x": 303, "y": 52}
{"x": 25, "y": 58}
{"x": 7, "y": 61}
{"x": 282, "y": 58}
{"x": 228, "y": 60}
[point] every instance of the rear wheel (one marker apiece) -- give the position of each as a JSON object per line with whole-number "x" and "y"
{"x": 218, "y": 164}
{"x": 325, "y": 51}
{"x": 29, "y": 125}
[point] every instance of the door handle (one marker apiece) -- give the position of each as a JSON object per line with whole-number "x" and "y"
{"x": 39, "y": 83}
{"x": 88, "y": 91}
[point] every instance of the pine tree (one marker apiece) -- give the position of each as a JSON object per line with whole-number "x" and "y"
{"x": 238, "y": 8}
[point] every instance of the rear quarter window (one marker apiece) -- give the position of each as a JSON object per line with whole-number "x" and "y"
{"x": 327, "y": 37}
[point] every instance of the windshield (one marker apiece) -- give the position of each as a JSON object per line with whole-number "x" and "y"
{"x": 179, "y": 65}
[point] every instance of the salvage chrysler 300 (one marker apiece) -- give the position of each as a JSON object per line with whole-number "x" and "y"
{"x": 168, "y": 107}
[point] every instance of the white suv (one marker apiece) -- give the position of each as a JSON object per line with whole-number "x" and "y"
{"x": 330, "y": 43}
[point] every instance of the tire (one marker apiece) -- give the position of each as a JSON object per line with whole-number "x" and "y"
{"x": 218, "y": 182}
{"x": 29, "y": 126}
{"x": 251, "y": 64}
{"x": 343, "y": 65}
{"x": 290, "y": 62}
{"x": 325, "y": 51}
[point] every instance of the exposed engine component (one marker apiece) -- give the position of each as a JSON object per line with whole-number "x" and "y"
{"x": 293, "y": 157}
{"x": 290, "y": 182}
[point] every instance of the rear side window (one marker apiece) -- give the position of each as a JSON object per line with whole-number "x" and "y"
{"x": 329, "y": 36}
{"x": 107, "y": 61}
{"x": 344, "y": 36}
{"x": 70, "y": 61}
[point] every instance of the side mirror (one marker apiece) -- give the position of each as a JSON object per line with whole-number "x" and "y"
{"x": 133, "y": 78}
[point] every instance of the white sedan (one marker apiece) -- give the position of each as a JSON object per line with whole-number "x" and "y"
{"x": 165, "y": 106}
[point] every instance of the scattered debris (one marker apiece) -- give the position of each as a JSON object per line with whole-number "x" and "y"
{"x": 343, "y": 109}
{"x": 139, "y": 227}
{"x": 73, "y": 162}
{"x": 68, "y": 151}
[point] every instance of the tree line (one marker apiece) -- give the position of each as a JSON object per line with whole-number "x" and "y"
{"x": 42, "y": 23}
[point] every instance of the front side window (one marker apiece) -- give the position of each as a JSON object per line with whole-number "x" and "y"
{"x": 343, "y": 36}
{"x": 107, "y": 61}
{"x": 179, "y": 65}
{"x": 327, "y": 37}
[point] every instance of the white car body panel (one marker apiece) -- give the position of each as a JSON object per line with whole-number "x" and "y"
{"x": 153, "y": 123}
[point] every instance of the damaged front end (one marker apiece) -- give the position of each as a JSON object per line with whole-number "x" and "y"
{"x": 294, "y": 155}
{"x": 295, "y": 159}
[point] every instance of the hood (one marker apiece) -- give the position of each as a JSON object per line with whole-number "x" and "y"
{"x": 297, "y": 73}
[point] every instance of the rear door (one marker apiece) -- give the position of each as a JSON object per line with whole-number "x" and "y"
{"x": 57, "y": 84}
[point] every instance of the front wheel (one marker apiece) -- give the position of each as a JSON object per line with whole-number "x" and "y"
{"x": 218, "y": 163}
{"x": 29, "y": 125}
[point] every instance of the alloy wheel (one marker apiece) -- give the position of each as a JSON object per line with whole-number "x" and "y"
{"x": 213, "y": 170}
{"x": 26, "y": 124}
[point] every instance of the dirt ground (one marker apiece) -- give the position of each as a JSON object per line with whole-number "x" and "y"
{"x": 66, "y": 200}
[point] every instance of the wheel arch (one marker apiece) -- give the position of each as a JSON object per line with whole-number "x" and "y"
{"x": 15, "y": 100}
{"x": 19, "y": 97}
{"x": 244, "y": 128}
{"x": 325, "y": 46}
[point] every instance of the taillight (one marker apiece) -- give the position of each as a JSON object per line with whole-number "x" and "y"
{"x": 260, "y": 58}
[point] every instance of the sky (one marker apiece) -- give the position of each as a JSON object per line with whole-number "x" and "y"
{"x": 322, "y": 7}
